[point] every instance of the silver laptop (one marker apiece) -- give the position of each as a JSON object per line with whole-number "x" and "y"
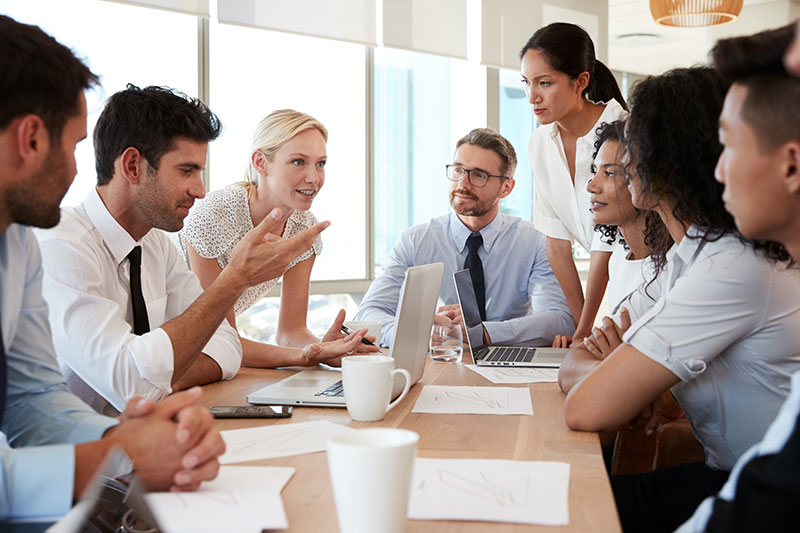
{"x": 417, "y": 304}
{"x": 497, "y": 355}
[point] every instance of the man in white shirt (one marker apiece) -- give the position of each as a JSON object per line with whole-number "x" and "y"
{"x": 58, "y": 441}
{"x": 128, "y": 317}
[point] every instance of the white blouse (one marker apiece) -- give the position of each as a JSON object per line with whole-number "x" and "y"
{"x": 220, "y": 220}
{"x": 625, "y": 276}
{"x": 561, "y": 209}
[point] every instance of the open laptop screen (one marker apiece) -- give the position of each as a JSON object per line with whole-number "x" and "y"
{"x": 469, "y": 309}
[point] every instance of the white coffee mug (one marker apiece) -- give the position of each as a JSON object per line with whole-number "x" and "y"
{"x": 373, "y": 328}
{"x": 368, "y": 382}
{"x": 371, "y": 472}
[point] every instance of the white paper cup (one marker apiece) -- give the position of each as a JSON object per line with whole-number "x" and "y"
{"x": 371, "y": 472}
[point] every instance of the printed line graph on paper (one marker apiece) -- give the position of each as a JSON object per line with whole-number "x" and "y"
{"x": 523, "y": 372}
{"x": 474, "y": 398}
{"x": 478, "y": 487}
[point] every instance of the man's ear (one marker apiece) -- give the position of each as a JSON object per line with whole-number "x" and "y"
{"x": 791, "y": 167}
{"x": 131, "y": 165}
{"x": 33, "y": 139}
{"x": 507, "y": 187}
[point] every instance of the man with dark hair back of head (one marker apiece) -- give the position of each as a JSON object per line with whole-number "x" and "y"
{"x": 760, "y": 167}
{"x": 42, "y": 118}
{"x": 128, "y": 317}
{"x": 520, "y": 299}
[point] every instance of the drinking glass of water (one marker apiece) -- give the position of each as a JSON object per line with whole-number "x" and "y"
{"x": 446, "y": 343}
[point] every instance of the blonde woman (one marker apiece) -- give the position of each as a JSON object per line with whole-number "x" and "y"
{"x": 286, "y": 171}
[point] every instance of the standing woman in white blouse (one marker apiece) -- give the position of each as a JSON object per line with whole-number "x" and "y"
{"x": 572, "y": 93}
{"x": 286, "y": 172}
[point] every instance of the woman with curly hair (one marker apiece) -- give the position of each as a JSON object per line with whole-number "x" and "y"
{"x": 720, "y": 327}
{"x": 615, "y": 216}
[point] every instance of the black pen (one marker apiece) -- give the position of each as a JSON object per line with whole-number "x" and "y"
{"x": 348, "y": 331}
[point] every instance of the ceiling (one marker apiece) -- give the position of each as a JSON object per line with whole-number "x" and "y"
{"x": 638, "y": 45}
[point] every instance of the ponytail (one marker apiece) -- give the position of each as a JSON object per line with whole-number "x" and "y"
{"x": 569, "y": 49}
{"x": 603, "y": 86}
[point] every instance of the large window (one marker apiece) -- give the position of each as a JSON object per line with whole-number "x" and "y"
{"x": 516, "y": 125}
{"x": 423, "y": 104}
{"x": 254, "y": 72}
{"x": 122, "y": 44}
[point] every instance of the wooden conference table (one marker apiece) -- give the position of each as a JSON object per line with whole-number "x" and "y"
{"x": 308, "y": 497}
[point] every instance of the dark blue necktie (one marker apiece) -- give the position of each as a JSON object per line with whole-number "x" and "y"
{"x": 475, "y": 266}
{"x": 141, "y": 324}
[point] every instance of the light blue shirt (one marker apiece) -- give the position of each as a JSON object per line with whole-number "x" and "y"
{"x": 524, "y": 302}
{"x": 42, "y": 419}
{"x": 773, "y": 442}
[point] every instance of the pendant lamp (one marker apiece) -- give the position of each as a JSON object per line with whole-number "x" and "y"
{"x": 695, "y": 13}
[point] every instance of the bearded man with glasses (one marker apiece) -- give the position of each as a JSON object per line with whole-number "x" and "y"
{"x": 520, "y": 299}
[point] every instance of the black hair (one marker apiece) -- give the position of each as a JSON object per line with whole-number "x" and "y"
{"x": 772, "y": 104}
{"x": 150, "y": 120}
{"x": 39, "y": 76}
{"x": 671, "y": 138}
{"x": 569, "y": 49}
{"x": 608, "y": 131}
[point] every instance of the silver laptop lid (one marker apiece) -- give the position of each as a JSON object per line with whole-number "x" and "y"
{"x": 469, "y": 310}
{"x": 416, "y": 307}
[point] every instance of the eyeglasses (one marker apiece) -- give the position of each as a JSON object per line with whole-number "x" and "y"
{"x": 476, "y": 178}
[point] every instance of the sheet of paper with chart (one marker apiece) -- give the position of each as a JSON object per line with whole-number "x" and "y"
{"x": 493, "y": 490}
{"x": 474, "y": 400}
{"x": 278, "y": 441}
{"x": 515, "y": 374}
{"x": 232, "y": 512}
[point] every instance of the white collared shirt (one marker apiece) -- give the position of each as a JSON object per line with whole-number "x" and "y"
{"x": 561, "y": 209}
{"x": 726, "y": 322}
{"x": 87, "y": 286}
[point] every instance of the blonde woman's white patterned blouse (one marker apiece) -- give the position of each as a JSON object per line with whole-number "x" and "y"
{"x": 220, "y": 220}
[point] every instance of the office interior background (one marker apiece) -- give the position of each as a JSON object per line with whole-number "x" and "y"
{"x": 396, "y": 82}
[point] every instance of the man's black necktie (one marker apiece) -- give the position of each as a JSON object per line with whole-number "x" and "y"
{"x": 141, "y": 324}
{"x": 3, "y": 374}
{"x": 475, "y": 266}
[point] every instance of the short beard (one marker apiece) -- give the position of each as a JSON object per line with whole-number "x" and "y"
{"x": 478, "y": 210}
{"x": 27, "y": 203}
{"x": 155, "y": 206}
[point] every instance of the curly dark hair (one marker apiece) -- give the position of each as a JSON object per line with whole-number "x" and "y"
{"x": 672, "y": 143}
{"x": 150, "y": 120}
{"x": 608, "y": 131}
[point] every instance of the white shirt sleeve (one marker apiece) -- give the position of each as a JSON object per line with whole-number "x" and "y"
{"x": 183, "y": 288}
{"x": 545, "y": 217}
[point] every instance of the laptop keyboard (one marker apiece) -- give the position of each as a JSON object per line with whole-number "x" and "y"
{"x": 333, "y": 390}
{"x": 511, "y": 355}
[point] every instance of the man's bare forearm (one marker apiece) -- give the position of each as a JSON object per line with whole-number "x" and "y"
{"x": 190, "y": 331}
{"x": 204, "y": 370}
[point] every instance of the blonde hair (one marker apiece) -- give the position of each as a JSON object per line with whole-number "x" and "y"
{"x": 275, "y": 130}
